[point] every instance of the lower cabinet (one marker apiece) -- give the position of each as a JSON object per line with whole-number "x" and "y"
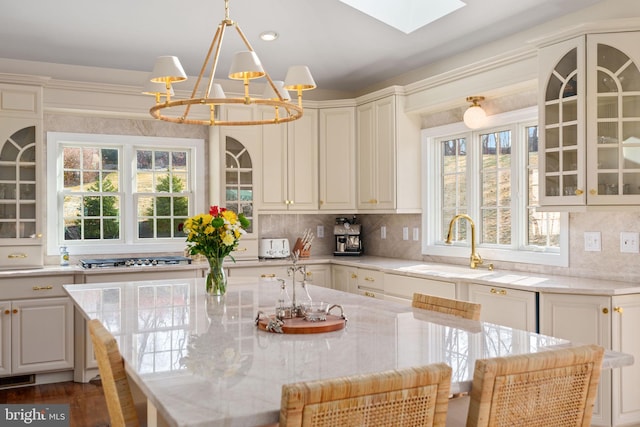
{"x": 611, "y": 322}
{"x": 344, "y": 278}
{"x": 507, "y": 307}
{"x": 401, "y": 288}
{"x": 370, "y": 283}
{"x": 36, "y": 326}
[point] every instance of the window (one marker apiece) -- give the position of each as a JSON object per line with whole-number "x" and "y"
{"x": 116, "y": 190}
{"x": 491, "y": 175}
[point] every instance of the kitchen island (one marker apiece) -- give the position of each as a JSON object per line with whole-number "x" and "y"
{"x": 202, "y": 361}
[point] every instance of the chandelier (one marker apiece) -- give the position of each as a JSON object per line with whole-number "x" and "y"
{"x": 245, "y": 66}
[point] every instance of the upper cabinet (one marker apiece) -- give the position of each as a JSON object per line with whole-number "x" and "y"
{"x": 290, "y": 164}
{"x": 20, "y": 176}
{"x": 388, "y": 157}
{"x": 590, "y": 121}
{"x": 337, "y": 159}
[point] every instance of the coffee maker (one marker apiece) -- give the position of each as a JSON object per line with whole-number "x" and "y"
{"x": 348, "y": 234}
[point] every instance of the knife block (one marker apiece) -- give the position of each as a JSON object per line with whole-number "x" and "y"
{"x": 298, "y": 247}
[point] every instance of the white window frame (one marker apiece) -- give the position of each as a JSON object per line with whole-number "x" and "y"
{"x": 127, "y": 144}
{"x": 517, "y": 121}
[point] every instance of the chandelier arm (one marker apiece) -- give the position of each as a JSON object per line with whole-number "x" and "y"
{"x": 216, "y": 56}
{"x": 219, "y": 33}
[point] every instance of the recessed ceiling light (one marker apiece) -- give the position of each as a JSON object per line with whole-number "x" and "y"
{"x": 406, "y": 15}
{"x": 269, "y": 36}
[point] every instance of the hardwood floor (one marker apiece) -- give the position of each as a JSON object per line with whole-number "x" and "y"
{"x": 87, "y": 406}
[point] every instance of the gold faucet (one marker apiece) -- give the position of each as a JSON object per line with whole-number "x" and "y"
{"x": 476, "y": 259}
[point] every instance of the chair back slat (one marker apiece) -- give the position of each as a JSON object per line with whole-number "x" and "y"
{"x": 465, "y": 309}
{"x": 404, "y": 398}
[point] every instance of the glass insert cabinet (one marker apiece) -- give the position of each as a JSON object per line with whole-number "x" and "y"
{"x": 20, "y": 148}
{"x": 590, "y": 116}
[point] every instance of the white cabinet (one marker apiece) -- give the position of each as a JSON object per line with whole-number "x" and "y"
{"x": 388, "y": 157}
{"x": 20, "y": 176}
{"x": 612, "y": 323}
{"x": 590, "y": 121}
{"x": 507, "y": 307}
{"x": 337, "y": 159}
{"x": 401, "y": 288}
{"x": 319, "y": 275}
{"x": 370, "y": 283}
{"x": 344, "y": 278}
{"x": 36, "y": 323}
{"x": 290, "y": 164}
{"x": 142, "y": 273}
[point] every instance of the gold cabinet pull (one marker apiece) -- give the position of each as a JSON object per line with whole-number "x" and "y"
{"x": 15, "y": 256}
{"x": 267, "y": 275}
{"x": 618, "y": 310}
{"x": 605, "y": 310}
{"x": 579, "y": 192}
{"x": 369, "y": 294}
{"x": 240, "y": 249}
{"x": 7, "y": 312}
{"x": 369, "y": 279}
{"x": 42, "y": 288}
{"x": 498, "y": 291}
{"x": 354, "y": 276}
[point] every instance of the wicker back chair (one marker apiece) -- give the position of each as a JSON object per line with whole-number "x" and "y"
{"x": 405, "y": 397}
{"x": 552, "y": 388}
{"x": 120, "y": 403}
{"x": 468, "y": 310}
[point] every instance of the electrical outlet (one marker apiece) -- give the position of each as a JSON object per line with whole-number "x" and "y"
{"x": 629, "y": 242}
{"x": 405, "y": 233}
{"x": 416, "y": 233}
{"x": 320, "y": 231}
{"x": 592, "y": 241}
{"x": 383, "y": 232}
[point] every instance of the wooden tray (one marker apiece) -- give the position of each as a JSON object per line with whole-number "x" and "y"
{"x": 300, "y": 326}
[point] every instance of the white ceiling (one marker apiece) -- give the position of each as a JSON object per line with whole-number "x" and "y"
{"x": 346, "y": 50}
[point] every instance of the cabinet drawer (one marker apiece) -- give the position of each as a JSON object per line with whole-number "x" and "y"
{"x": 406, "y": 286}
{"x": 34, "y": 287}
{"x": 16, "y": 257}
{"x": 371, "y": 279}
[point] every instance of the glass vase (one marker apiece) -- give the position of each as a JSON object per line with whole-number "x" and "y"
{"x": 216, "y": 277}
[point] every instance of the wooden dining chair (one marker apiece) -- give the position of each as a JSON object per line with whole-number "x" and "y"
{"x": 405, "y": 397}
{"x": 465, "y": 309}
{"x": 552, "y": 388}
{"x": 120, "y": 403}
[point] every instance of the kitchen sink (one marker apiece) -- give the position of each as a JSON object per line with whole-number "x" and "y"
{"x": 443, "y": 270}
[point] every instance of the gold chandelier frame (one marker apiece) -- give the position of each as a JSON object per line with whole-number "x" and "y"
{"x": 284, "y": 110}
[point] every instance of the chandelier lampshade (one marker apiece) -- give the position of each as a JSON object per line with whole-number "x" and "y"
{"x": 245, "y": 66}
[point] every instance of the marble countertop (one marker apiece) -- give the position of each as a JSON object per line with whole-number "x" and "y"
{"x": 454, "y": 273}
{"x": 202, "y": 361}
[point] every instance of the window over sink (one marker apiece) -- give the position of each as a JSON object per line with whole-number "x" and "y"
{"x": 119, "y": 193}
{"x": 490, "y": 174}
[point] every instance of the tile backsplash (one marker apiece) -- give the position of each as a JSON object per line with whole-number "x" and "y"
{"x": 607, "y": 264}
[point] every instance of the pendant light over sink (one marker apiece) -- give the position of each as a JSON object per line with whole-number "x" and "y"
{"x": 245, "y": 66}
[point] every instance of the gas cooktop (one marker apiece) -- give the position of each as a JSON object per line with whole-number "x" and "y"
{"x": 134, "y": 262}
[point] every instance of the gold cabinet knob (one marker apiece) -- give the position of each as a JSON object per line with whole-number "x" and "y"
{"x": 7, "y": 312}
{"x": 15, "y": 311}
{"x": 605, "y": 310}
{"x": 354, "y": 276}
{"x": 593, "y": 192}
{"x": 579, "y": 192}
{"x": 618, "y": 310}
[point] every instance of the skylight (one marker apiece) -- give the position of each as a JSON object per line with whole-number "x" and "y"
{"x": 406, "y": 15}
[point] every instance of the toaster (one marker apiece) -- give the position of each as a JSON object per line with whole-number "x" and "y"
{"x": 274, "y": 248}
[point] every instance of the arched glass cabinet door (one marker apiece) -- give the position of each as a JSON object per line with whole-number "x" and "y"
{"x": 562, "y": 144}
{"x": 239, "y": 194}
{"x": 18, "y": 185}
{"x": 615, "y": 129}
